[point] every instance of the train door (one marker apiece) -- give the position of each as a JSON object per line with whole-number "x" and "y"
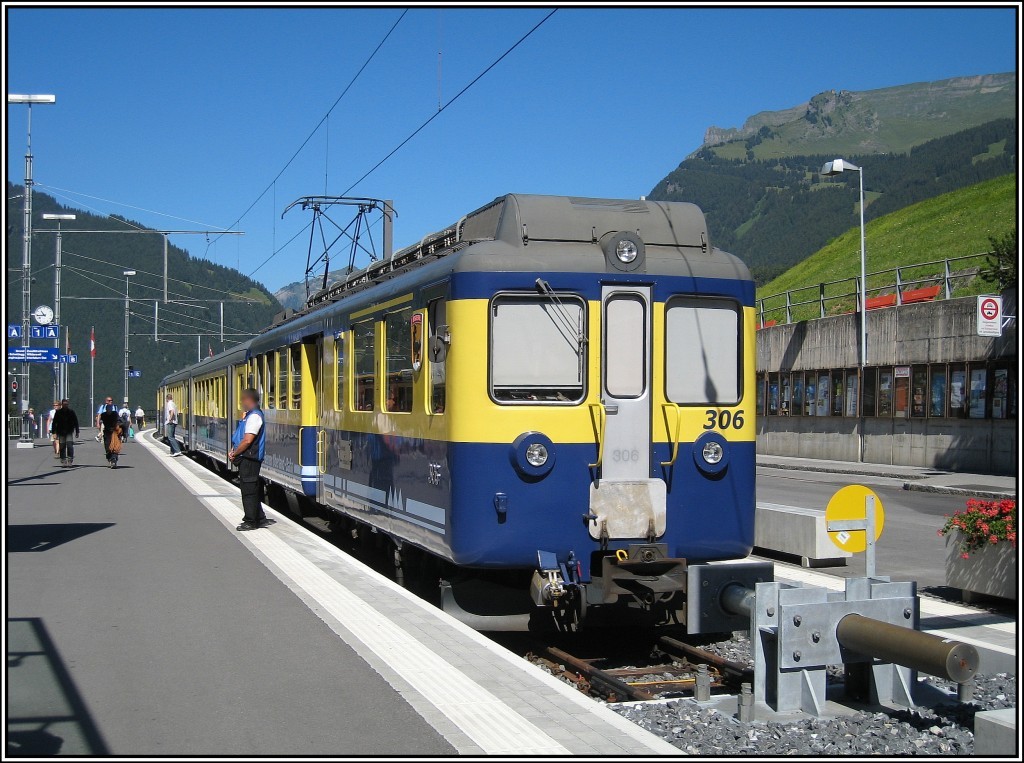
{"x": 627, "y": 502}
{"x": 311, "y": 405}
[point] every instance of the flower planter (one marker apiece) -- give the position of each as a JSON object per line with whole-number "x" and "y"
{"x": 990, "y": 570}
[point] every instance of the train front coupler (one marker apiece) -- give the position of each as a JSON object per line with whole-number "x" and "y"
{"x": 555, "y": 583}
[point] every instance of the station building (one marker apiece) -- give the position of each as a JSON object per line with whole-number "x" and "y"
{"x": 934, "y": 393}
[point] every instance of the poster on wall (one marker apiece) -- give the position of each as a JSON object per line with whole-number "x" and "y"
{"x": 956, "y": 393}
{"x": 938, "y": 393}
{"x": 999, "y": 393}
{"x": 977, "y": 401}
{"x": 852, "y": 385}
{"x": 822, "y": 396}
{"x": 809, "y": 395}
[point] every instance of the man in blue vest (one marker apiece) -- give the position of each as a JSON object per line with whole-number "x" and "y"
{"x": 247, "y": 450}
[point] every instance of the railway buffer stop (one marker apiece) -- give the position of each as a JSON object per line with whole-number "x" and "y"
{"x": 797, "y": 632}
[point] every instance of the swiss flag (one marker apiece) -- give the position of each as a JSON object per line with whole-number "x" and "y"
{"x": 92, "y": 341}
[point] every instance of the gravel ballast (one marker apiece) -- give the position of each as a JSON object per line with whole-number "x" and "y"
{"x": 946, "y": 729}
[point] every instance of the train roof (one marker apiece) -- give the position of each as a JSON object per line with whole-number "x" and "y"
{"x": 220, "y": 360}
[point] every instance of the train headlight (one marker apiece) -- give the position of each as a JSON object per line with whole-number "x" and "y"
{"x": 626, "y": 251}
{"x": 712, "y": 452}
{"x": 536, "y": 454}
{"x": 532, "y": 455}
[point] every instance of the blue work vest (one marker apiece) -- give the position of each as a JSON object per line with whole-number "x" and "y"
{"x": 261, "y": 438}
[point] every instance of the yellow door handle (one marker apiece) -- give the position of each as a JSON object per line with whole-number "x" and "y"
{"x": 675, "y": 439}
{"x": 321, "y": 451}
{"x": 598, "y": 417}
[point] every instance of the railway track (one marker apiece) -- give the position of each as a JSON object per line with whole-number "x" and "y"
{"x": 688, "y": 671}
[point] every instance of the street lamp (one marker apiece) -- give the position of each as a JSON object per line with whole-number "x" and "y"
{"x": 26, "y": 259}
{"x": 835, "y": 167}
{"x": 127, "y": 274}
{"x": 60, "y": 387}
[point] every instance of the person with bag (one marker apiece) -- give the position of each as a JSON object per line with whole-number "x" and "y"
{"x": 112, "y": 441}
{"x": 125, "y": 414}
{"x": 171, "y": 425}
{"x": 64, "y": 428}
{"x": 247, "y": 449}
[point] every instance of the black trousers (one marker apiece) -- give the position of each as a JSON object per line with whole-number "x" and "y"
{"x": 251, "y": 487}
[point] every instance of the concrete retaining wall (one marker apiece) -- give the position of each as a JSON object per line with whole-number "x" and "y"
{"x": 933, "y": 332}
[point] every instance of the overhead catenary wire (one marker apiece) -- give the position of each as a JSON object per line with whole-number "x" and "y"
{"x": 129, "y": 206}
{"x": 322, "y": 120}
{"x": 452, "y": 100}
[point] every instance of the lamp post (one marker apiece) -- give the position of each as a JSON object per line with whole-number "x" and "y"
{"x": 26, "y": 259}
{"x": 829, "y": 169}
{"x": 58, "y": 381}
{"x": 127, "y": 274}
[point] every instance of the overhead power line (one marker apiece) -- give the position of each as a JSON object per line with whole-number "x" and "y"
{"x": 129, "y": 206}
{"x": 452, "y": 100}
{"x": 318, "y": 124}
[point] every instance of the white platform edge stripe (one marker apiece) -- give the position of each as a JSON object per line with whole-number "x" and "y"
{"x": 484, "y": 718}
{"x": 500, "y": 730}
{"x": 608, "y": 717}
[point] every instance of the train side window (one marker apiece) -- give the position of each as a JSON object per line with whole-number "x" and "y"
{"x": 295, "y": 368}
{"x": 437, "y": 326}
{"x": 282, "y": 379}
{"x": 702, "y": 351}
{"x": 339, "y": 372}
{"x": 398, "y": 340}
{"x": 271, "y": 378}
{"x": 536, "y": 352}
{"x": 364, "y": 367}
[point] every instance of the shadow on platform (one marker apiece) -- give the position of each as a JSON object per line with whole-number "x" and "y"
{"x": 26, "y": 538}
{"x": 46, "y": 715}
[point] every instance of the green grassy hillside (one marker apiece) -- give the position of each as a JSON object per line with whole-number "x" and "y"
{"x": 951, "y": 225}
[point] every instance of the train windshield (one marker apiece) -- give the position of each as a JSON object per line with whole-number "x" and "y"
{"x": 536, "y": 352}
{"x": 702, "y": 351}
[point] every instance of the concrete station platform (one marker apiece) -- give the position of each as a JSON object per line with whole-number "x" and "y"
{"x": 141, "y": 623}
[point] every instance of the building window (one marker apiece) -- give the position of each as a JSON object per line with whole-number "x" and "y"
{"x": 295, "y": 353}
{"x": 901, "y": 392}
{"x": 977, "y": 392}
{"x": 870, "y": 394}
{"x": 958, "y": 392}
{"x": 937, "y": 404}
{"x": 852, "y": 389}
{"x": 919, "y": 392}
{"x": 365, "y": 367}
{"x": 785, "y": 395}
{"x": 811, "y": 394}
{"x": 838, "y": 393}
{"x": 885, "y": 392}
{"x": 760, "y": 394}
{"x": 398, "y": 340}
{"x": 773, "y": 395}
{"x": 798, "y": 395}
{"x": 1000, "y": 393}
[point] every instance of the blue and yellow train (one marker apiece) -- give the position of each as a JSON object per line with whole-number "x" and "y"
{"x": 554, "y": 385}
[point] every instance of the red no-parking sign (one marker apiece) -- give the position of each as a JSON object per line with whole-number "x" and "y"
{"x": 990, "y": 316}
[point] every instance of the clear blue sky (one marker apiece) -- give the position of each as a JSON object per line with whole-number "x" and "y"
{"x": 191, "y": 112}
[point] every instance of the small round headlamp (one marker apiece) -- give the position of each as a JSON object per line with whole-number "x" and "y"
{"x": 536, "y": 454}
{"x": 626, "y": 251}
{"x": 712, "y": 452}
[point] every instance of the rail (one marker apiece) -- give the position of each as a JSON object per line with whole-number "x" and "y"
{"x": 900, "y": 283}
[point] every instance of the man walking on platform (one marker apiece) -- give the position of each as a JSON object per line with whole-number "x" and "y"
{"x": 111, "y": 434}
{"x": 108, "y": 401}
{"x": 247, "y": 450}
{"x": 64, "y": 429}
{"x": 49, "y": 427}
{"x": 140, "y": 418}
{"x": 171, "y": 422}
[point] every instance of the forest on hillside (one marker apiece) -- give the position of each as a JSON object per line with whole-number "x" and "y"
{"x": 92, "y": 290}
{"x": 774, "y": 213}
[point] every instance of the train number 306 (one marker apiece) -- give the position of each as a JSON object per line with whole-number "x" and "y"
{"x": 723, "y": 419}
{"x": 626, "y": 456}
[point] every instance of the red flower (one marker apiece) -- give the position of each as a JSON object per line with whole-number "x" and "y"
{"x": 993, "y": 539}
{"x": 965, "y": 556}
{"x": 983, "y": 526}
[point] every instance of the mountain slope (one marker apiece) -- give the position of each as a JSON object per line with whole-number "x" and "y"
{"x": 775, "y": 212}
{"x": 889, "y": 120}
{"x": 954, "y": 224}
{"x": 92, "y": 290}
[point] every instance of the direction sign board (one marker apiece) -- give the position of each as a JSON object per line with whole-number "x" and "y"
{"x": 50, "y": 331}
{"x": 68, "y": 359}
{"x": 32, "y": 354}
{"x": 134, "y": 374}
{"x": 990, "y": 316}
{"x": 848, "y": 503}
{"x": 13, "y": 331}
